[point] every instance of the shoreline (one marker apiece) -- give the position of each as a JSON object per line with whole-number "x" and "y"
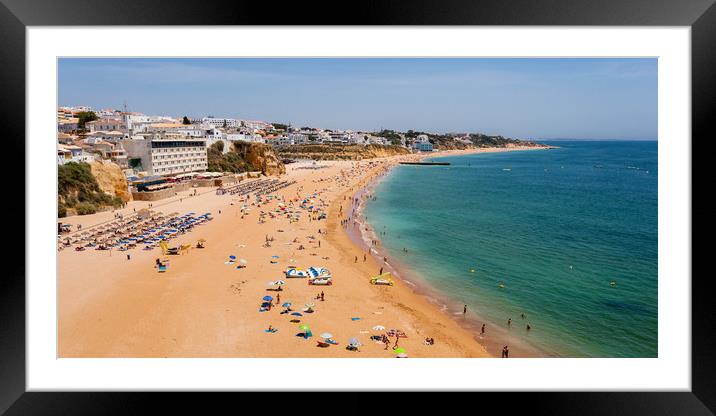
{"x": 496, "y": 336}
{"x": 203, "y": 308}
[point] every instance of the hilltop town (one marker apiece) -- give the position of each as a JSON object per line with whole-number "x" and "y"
{"x": 130, "y": 138}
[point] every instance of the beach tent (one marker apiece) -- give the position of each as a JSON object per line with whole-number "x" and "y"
{"x": 318, "y": 272}
{"x": 296, "y": 273}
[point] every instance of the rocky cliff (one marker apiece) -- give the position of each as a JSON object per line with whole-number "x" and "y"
{"x": 260, "y": 157}
{"x": 110, "y": 179}
{"x": 339, "y": 152}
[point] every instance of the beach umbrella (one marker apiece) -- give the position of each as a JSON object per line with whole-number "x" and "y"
{"x": 304, "y": 327}
{"x": 297, "y": 314}
{"x": 399, "y": 351}
{"x": 326, "y": 335}
{"x": 310, "y": 305}
{"x": 232, "y": 257}
{"x": 378, "y": 328}
{"x": 402, "y": 355}
{"x": 201, "y": 240}
{"x": 286, "y": 304}
{"x": 268, "y": 298}
{"x": 279, "y": 282}
{"x": 243, "y": 261}
{"x": 354, "y": 341}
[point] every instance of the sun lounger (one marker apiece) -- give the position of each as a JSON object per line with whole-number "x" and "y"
{"x": 320, "y": 282}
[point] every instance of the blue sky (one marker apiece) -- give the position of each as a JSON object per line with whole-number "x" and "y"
{"x": 524, "y": 98}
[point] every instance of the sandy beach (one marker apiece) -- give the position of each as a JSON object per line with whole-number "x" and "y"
{"x": 112, "y": 306}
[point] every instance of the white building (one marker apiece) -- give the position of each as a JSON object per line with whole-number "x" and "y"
{"x": 109, "y": 114}
{"x": 106, "y": 125}
{"x": 243, "y": 137}
{"x": 137, "y": 123}
{"x": 167, "y": 156}
{"x": 297, "y": 138}
{"x": 422, "y": 144}
{"x": 67, "y": 125}
{"x": 257, "y": 125}
{"x": 221, "y": 122}
{"x": 110, "y": 136}
{"x": 70, "y": 153}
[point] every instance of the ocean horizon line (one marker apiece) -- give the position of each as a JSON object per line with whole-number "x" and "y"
{"x": 566, "y": 139}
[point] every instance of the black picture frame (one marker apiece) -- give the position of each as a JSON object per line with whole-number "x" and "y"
{"x": 16, "y": 15}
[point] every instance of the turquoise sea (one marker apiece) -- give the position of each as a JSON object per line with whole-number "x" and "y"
{"x": 553, "y": 227}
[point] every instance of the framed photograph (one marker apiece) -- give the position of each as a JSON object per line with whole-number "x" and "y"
{"x": 500, "y": 194}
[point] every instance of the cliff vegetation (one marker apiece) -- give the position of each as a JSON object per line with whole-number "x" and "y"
{"x": 79, "y": 192}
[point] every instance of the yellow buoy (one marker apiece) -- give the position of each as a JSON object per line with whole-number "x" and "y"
{"x": 501, "y": 286}
{"x": 472, "y": 270}
{"x": 613, "y": 283}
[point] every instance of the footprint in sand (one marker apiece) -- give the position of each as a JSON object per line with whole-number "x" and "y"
{"x": 236, "y": 286}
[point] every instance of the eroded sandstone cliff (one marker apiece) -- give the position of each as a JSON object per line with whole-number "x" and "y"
{"x": 110, "y": 179}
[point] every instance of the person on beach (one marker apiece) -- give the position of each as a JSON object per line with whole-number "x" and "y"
{"x": 464, "y": 310}
{"x": 523, "y": 316}
{"x": 278, "y": 297}
{"x": 509, "y": 322}
{"x": 322, "y": 296}
{"x": 505, "y": 352}
{"x": 528, "y": 327}
{"x": 385, "y": 260}
{"x": 129, "y": 257}
{"x": 381, "y": 271}
{"x": 364, "y": 257}
{"x": 482, "y": 331}
{"x": 356, "y": 259}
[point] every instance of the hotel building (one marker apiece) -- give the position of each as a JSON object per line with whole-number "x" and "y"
{"x": 167, "y": 156}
